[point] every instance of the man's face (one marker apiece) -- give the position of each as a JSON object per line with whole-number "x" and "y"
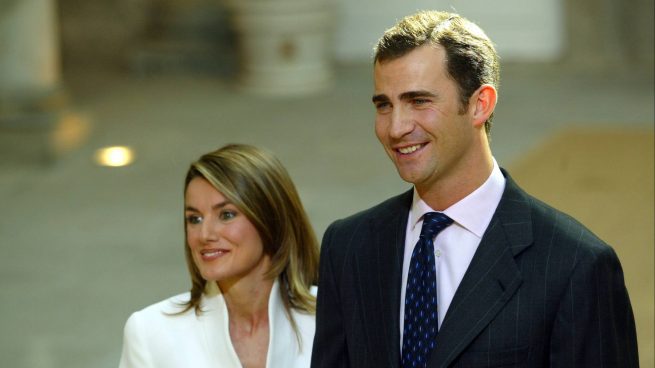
{"x": 419, "y": 119}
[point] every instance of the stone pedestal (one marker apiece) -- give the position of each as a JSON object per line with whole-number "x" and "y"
{"x": 285, "y": 45}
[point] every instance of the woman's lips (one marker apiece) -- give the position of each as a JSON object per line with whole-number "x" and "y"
{"x": 212, "y": 254}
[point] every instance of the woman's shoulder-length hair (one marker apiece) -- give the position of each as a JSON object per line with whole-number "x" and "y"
{"x": 255, "y": 181}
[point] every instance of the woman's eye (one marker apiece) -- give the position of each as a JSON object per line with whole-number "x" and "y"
{"x": 193, "y": 219}
{"x": 227, "y": 215}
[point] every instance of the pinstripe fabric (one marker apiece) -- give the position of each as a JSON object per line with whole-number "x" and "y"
{"x": 541, "y": 291}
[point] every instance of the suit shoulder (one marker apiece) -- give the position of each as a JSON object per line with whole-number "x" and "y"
{"x": 382, "y": 209}
{"x": 349, "y": 235}
{"x": 551, "y": 229}
{"x": 561, "y": 229}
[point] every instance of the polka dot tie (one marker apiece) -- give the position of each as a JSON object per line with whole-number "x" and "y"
{"x": 421, "y": 317}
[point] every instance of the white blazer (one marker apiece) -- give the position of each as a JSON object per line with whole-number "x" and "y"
{"x": 153, "y": 338}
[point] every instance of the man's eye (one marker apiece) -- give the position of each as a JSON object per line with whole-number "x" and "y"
{"x": 227, "y": 215}
{"x": 193, "y": 219}
{"x": 420, "y": 101}
{"x": 382, "y": 106}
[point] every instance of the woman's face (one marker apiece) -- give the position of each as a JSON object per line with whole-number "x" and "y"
{"x": 225, "y": 245}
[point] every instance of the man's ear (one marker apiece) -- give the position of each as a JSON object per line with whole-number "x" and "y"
{"x": 483, "y": 104}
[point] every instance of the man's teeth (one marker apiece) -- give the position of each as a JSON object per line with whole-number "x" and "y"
{"x": 409, "y": 149}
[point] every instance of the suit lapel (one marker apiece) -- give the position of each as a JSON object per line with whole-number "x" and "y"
{"x": 490, "y": 280}
{"x": 379, "y": 266}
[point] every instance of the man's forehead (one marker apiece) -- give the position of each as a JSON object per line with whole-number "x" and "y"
{"x": 408, "y": 74}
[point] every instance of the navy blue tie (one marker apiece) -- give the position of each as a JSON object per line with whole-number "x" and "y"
{"x": 421, "y": 317}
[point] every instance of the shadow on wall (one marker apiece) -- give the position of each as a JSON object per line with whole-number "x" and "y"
{"x": 147, "y": 37}
{"x": 273, "y": 47}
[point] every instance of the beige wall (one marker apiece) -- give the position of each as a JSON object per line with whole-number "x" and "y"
{"x": 583, "y": 31}
{"x": 522, "y": 30}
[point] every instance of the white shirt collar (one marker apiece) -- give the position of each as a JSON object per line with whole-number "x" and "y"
{"x": 474, "y": 211}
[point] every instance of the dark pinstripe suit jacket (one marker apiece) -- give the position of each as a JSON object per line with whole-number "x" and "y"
{"x": 541, "y": 291}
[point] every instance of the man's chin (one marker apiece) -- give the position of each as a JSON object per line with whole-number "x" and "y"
{"x": 409, "y": 177}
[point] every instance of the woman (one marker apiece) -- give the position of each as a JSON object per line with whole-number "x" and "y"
{"x": 253, "y": 257}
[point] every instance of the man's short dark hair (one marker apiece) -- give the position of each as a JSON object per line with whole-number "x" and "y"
{"x": 470, "y": 55}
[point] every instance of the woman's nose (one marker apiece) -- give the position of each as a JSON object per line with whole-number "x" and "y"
{"x": 209, "y": 231}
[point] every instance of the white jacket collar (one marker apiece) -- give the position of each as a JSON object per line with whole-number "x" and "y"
{"x": 282, "y": 346}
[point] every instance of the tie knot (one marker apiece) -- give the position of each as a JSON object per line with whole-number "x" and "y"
{"x": 433, "y": 223}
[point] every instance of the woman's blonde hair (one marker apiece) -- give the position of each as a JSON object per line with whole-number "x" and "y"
{"x": 260, "y": 187}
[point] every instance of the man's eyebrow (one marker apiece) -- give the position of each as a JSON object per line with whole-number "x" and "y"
{"x": 404, "y": 96}
{"x": 414, "y": 94}
{"x": 380, "y": 98}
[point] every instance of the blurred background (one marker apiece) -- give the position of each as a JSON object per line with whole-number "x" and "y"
{"x": 89, "y": 236}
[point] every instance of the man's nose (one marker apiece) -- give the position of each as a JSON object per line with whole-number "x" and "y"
{"x": 401, "y": 123}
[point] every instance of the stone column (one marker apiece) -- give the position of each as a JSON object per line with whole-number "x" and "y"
{"x": 29, "y": 54}
{"x": 34, "y": 126}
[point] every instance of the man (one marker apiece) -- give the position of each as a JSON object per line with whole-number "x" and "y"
{"x": 466, "y": 269}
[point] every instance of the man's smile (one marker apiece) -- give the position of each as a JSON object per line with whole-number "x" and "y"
{"x": 410, "y": 149}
